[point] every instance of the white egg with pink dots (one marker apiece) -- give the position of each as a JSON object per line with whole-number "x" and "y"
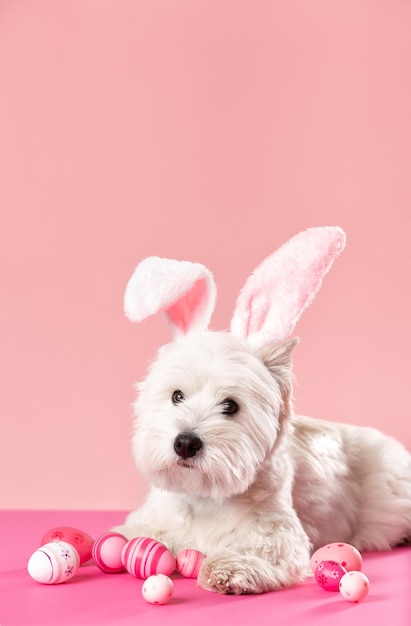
{"x": 157, "y": 589}
{"x": 354, "y": 586}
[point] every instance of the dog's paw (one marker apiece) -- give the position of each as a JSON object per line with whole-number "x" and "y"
{"x": 236, "y": 575}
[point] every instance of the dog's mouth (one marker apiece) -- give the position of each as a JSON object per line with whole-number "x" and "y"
{"x": 185, "y": 463}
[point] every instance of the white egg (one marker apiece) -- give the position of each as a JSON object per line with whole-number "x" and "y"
{"x": 354, "y": 586}
{"x": 54, "y": 563}
{"x": 157, "y": 589}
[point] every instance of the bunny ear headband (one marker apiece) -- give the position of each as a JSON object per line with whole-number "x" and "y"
{"x": 268, "y": 306}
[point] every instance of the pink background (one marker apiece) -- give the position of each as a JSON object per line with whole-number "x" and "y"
{"x": 211, "y": 131}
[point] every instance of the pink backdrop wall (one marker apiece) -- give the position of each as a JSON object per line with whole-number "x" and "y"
{"x": 206, "y": 130}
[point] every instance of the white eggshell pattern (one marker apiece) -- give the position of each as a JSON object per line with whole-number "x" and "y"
{"x": 54, "y": 563}
{"x": 354, "y": 586}
{"x": 157, "y": 589}
{"x": 343, "y": 553}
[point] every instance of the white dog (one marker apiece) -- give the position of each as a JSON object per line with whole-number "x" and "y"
{"x": 235, "y": 473}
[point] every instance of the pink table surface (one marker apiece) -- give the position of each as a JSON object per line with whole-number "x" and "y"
{"x": 93, "y": 597}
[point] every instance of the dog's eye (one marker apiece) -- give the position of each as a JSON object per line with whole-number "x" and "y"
{"x": 177, "y": 396}
{"x": 229, "y": 406}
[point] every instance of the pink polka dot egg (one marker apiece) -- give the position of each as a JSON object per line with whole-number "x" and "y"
{"x": 328, "y": 575}
{"x": 107, "y": 551}
{"x": 54, "y": 563}
{"x": 77, "y": 538}
{"x": 157, "y": 589}
{"x": 343, "y": 553}
{"x": 189, "y": 562}
{"x": 143, "y": 557}
{"x": 354, "y": 586}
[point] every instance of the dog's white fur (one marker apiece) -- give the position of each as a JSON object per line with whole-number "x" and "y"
{"x": 234, "y": 473}
{"x": 266, "y": 487}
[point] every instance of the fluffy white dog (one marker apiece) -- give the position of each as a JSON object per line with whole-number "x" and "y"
{"x": 234, "y": 473}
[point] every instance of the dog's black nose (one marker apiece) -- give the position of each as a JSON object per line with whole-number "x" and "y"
{"x": 187, "y": 445}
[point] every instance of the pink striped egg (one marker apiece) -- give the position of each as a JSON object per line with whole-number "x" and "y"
{"x": 54, "y": 563}
{"x": 107, "y": 552}
{"x": 143, "y": 557}
{"x": 189, "y": 562}
{"x": 77, "y": 538}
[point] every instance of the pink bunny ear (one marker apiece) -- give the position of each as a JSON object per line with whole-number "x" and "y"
{"x": 184, "y": 291}
{"x": 284, "y": 285}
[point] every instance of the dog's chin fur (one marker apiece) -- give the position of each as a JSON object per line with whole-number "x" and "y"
{"x": 266, "y": 487}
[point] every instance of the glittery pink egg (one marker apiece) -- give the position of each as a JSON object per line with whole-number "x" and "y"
{"x": 54, "y": 563}
{"x": 354, "y": 586}
{"x": 345, "y": 554}
{"x": 107, "y": 552}
{"x": 328, "y": 575}
{"x": 189, "y": 562}
{"x": 75, "y": 537}
{"x": 143, "y": 557}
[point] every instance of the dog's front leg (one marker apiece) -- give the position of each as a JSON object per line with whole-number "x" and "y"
{"x": 232, "y": 573}
{"x": 267, "y": 564}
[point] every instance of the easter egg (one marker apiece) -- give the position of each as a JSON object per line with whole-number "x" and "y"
{"x": 345, "y": 554}
{"x": 107, "y": 552}
{"x": 54, "y": 563}
{"x": 328, "y": 575}
{"x": 157, "y": 589}
{"x": 189, "y": 562}
{"x": 354, "y": 586}
{"x": 143, "y": 557}
{"x": 77, "y": 538}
